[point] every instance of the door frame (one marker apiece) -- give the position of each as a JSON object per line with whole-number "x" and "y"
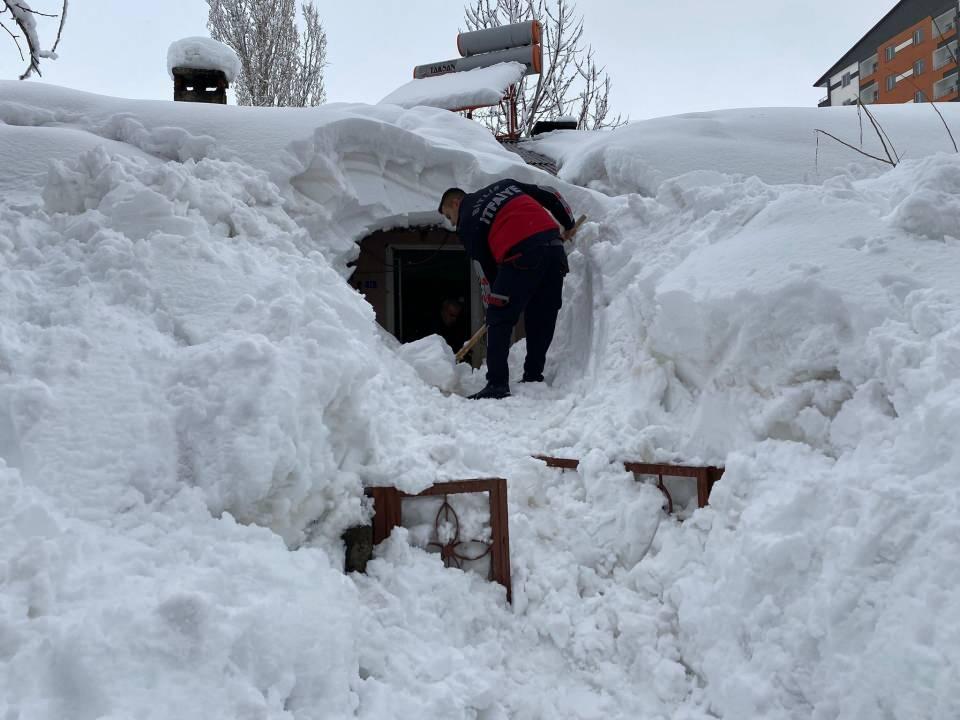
{"x": 476, "y": 303}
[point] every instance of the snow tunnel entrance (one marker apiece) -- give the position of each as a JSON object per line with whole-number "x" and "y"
{"x": 420, "y": 282}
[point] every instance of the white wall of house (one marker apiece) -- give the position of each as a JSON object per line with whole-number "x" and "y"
{"x": 842, "y": 95}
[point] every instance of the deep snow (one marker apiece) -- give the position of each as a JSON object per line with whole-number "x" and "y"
{"x": 475, "y": 88}
{"x": 191, "y": 399}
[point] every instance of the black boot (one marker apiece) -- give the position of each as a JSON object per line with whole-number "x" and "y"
{"x": 491, "y": 392}
{"x": 532, "y": 378}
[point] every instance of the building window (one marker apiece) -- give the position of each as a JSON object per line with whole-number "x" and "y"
{"x": 891, "y": 51}
{"x": 918, "y": 67}
{"x": 918, "y": 36}
{"x": 918, "y": 97}
{"x": 891, "y": 82}
{"x": 876, "y": 95}
{"x": 846, "y": 79}
{"x": 944, "y": 24}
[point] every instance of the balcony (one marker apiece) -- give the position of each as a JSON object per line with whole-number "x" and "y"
{"x": 870, "y": 93}
{"x": 944, "y": 25}
{"x": 945, "y": 55}
{"x": 824, "y": 102}
{"x": 869, "y": 66}
{"x": 945, "y": 87}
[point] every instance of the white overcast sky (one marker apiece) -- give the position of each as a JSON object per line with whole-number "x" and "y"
{"x": 664, "y": 56}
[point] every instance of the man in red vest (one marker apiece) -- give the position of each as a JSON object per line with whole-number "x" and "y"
{"x": 511, "y": 229}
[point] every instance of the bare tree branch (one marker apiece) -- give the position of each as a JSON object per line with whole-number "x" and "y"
{"x": 944, "y": 121}
{"x": 881, "y": 133}
{"x": 854, "y": 147}
{"x": 571, "y": 84}
{"x": 933, "y": 104}
{"x": 280, "y": 63}
{"x": 26, "y": 8}
{"x": 63, "y": 21}
{"x": 24, "y": 17}
{"x": 16, "y": 40}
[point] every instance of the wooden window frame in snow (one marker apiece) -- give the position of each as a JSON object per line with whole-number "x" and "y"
{"x": 388, "y": 514}
{"x": 706, "y": 476}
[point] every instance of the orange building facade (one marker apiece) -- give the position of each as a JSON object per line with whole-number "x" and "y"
{"x": 909, "y": 56}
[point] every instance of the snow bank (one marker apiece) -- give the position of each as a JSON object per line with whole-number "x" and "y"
{"x": 192, "y": 398}
{"x": 433, "y": 360}
{"x": 203, "y": 53}
{"x": 778, "y": 145}
{"x": 342, "y": 170}
{"x": 806, "y": 336}
{"x": 455, "y": 91}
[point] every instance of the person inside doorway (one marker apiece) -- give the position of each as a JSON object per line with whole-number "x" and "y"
{"x": 450, "y": 322}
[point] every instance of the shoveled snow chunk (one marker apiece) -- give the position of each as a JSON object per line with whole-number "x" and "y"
{"x": 470, "y": 89}
{"x": 433, "y": 360}
{"x": 203, "y": 53}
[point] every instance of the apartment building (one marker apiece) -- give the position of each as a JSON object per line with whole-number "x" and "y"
{"x": 909, "y": 56}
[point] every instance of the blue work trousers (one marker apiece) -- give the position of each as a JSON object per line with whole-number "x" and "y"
{"x": 529, "y": 282}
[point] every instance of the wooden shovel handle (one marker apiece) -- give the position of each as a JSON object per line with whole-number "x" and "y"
{"x": 468, "y": 345}
{"x": 569, "y": 235}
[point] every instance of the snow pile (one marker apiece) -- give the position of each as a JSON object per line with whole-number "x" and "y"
{"x": 433, "y": 360}
{"x": 233, "y": 378}
{"x": 778, "y": 145}
{"x": 192, "y": 398}
{"x": 203, "y": 53}
{"x": 808, "y": 337}
{"x": 159, "y": 381}
{"x": 476, "y": 88}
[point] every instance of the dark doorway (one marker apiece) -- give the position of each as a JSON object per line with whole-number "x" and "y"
{"x": 430, "y": 264}
{"x": 433, "y": 294}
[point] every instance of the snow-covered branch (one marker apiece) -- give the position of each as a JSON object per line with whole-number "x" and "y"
{"x": 24, "y": 18}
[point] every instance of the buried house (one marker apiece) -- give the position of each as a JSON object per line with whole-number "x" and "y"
{"x": 417, "y": 275}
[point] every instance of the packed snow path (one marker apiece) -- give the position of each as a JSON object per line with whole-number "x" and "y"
{"x": 191, "y": 399}
{"x": 588, "y": 635}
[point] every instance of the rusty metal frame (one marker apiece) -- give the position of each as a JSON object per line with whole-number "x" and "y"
{"x": 706, "y": 476}
{"x": 388, "y": 514}
{"x": 508, "y": 105}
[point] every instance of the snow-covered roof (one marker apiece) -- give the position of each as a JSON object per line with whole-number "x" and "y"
{"x": 457, "y": 91}
{"x": 203, "y": 53}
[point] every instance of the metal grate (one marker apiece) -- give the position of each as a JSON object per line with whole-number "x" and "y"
{"x": 530, "y": 157}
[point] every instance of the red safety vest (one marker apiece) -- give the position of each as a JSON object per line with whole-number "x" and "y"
{"x": 518, "y": 219}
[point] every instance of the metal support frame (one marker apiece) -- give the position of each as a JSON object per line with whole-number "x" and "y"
{"x": 509, "y": 107}
{"x": 388, "y": 514}
{"x": 706, "y": 476}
